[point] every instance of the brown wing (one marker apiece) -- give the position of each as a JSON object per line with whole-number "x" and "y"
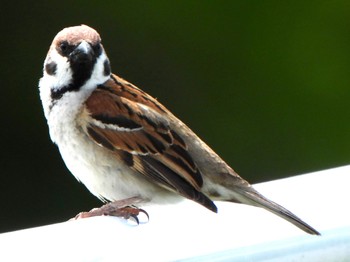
{"x": 132, "y": 124}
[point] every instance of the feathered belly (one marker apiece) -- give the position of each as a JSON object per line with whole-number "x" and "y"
{"x": 103, "y": 174}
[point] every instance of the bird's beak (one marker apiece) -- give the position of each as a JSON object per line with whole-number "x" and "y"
{"x": 84, "y": 47}
{"x": 82, "y": 53}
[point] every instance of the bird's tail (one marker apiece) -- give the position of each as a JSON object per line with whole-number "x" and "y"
{"x": 252, "y": 197}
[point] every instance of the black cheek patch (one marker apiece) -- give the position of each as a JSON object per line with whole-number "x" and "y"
{"x": 51, "y": 68}
{"x": 107, "y": 68}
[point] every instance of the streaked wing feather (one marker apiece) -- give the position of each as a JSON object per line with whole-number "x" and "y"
{"x": 155, "y": 170}
{"x": 126, "y": 120}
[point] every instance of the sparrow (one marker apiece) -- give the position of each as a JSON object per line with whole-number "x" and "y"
{"x": 123, "y": 144}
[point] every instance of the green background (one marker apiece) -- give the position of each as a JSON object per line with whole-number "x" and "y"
{"x": 264, "y": 83}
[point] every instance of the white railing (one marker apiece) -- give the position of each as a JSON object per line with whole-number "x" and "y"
{"x": 187, "y": 231}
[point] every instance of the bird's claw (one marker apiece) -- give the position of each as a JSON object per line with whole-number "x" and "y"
{"x": 123, "y": 208}
{"x": 135, "y": 216}
{"x": 128, "y": 212}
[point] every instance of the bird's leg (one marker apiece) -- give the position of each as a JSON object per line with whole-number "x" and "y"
{"x": 122, "y": 208}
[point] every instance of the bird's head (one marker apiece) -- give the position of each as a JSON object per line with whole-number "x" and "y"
{"x": 76, "y": 59}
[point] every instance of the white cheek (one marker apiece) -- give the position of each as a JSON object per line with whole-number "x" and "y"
{"x": 64, "y": 74}
{"x": 62, "y": 77}
{"x": 97, "y": 77}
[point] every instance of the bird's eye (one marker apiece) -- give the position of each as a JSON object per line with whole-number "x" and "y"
{"x": 65, "y": 48}
{"x": 97, "y": 49}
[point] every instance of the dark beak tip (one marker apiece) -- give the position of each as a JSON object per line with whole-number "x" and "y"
{"x": 81, "y": 56}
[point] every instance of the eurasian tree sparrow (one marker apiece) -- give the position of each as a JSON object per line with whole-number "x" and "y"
{"x": 122, "y": 143}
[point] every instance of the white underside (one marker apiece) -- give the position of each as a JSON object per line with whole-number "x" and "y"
{"x": 94, "y": 165}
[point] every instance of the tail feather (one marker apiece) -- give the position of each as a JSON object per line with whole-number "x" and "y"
{"x": 253, "y": 198}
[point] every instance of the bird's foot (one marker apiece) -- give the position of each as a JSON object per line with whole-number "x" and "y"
{"x": 122, "y": 208}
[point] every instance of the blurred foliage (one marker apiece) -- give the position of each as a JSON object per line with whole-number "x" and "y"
{"x": 265, "y": 83}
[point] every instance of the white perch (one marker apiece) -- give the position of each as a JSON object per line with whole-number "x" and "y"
{"x": 189, "y": 232}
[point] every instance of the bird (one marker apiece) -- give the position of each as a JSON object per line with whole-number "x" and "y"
{"x": 123, "y": 144}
